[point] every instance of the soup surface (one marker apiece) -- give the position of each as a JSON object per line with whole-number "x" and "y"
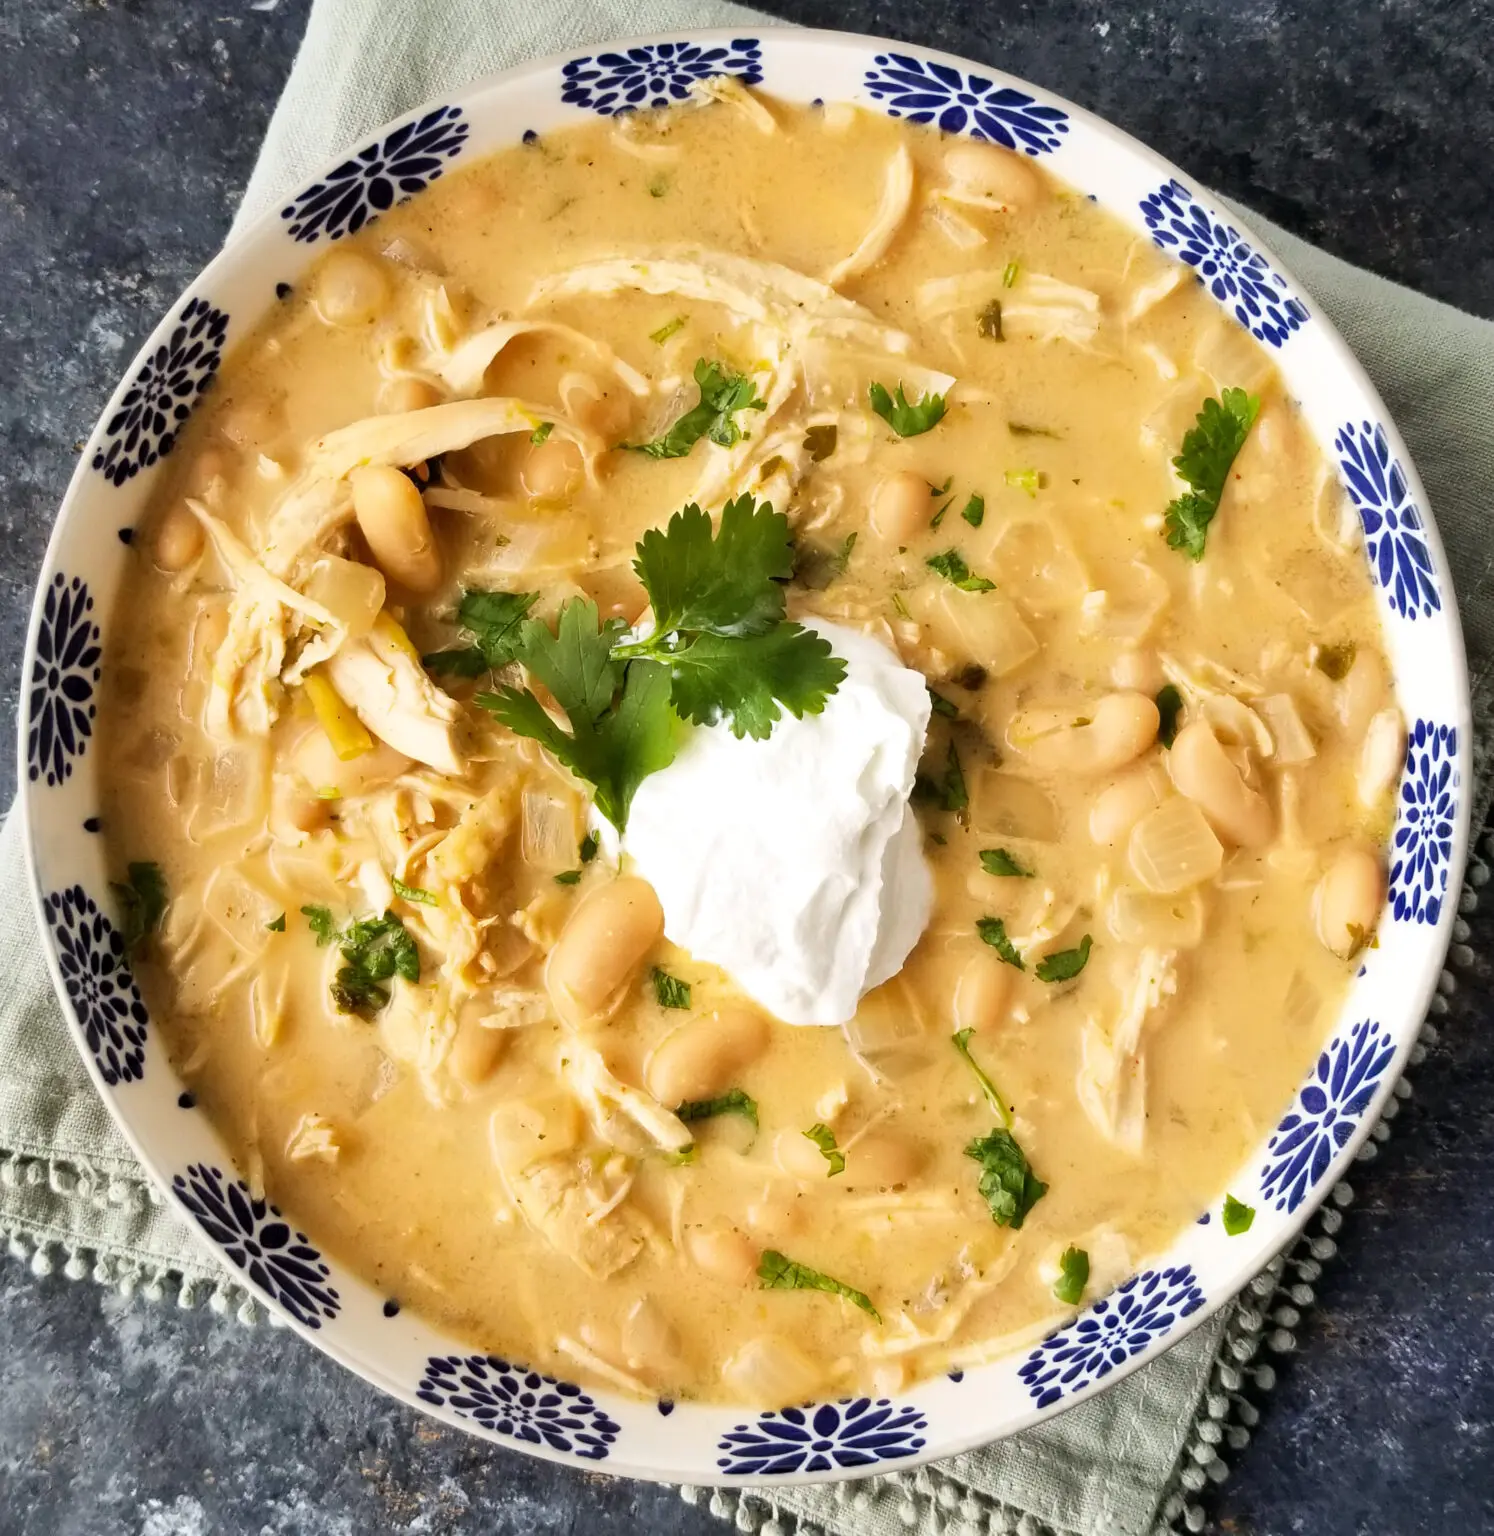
{"x": 402, "y": 962}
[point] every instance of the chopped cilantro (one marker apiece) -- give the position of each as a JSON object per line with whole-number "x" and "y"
{"x": 413, "y": 893}
{"x": 493, "y": 620}
{"x": 1073, "y": 1276}
{"x": 1237, "y": 1217}
{"x": 942, "y": 706}
{"x": 374, "y": 951}
{"x": 568, "y": 877}
{"x": 1028, "y": 480}
{"x": 936, "y": 491}
{"x": 322, "y": 924}
{"x": 589, "y": 845}
{"x": 938, "y": 517}
{"x": 1169, "y": 709}
{"x": 948, "y": 791}
{"x": 989, "y": 323}
{"x": 1065, "y": 964}
{"x": 987, "y": 1086}
{"x": 820, "y": 441}
{"x": 951, "y": 566}
{"x": 1209, "y": 449}
{"x": 732, "y": 1102}
{"x": 779, "y": 1273}
{"x": 997, "y": 861}
{"x": 542, "y": 431}
{"x": 668, "y": 329}
{"x": 142, "y": 903}
{"x": 993, "y": 932}
{"x": 722, "y": 395}
{"x": 824, "y": 1138}
{"x": 1007, "y": 1183}
{"x": 278, "y": 926}
{"x": 817, "y": 565}
{"x": 905, "y": 418}
{"x": 670, "y": 991}
{"x": 974, "y": 510}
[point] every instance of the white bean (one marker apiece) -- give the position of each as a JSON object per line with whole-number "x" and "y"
{"x": 408, "y": 394}
{"x": 1201, "y": 769}
{"x": 985, "y": 171}
{"x": 179, "y": 539}
{"x": 1362, "y": 694}
{"x": 1138, "y": 670}
{"x": 701, "y": 1057}
{"x": 1346, "y": 904}
{"x": 982, "y": 992}
{"x": 395, "y": 525}
{"x": 882, "y": 1159}
{"x": 649, "y": 1340}
{"x": 901, "y": 507}
{"x": 1118, "y": 807}
{"x": 799, "y": 1157}
{"x": 476, "y": 1052}
{"x": 1381, "y": 757}
{"x": 603, "y": 944}
{"x": 1119, "y": 728}
{"x": 723, "y": 1253}
{"x": 349, "y": 288}
{"x": 552, "y": 469}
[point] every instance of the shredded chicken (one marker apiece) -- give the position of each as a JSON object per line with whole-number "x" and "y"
{"x": 892, "y": 211}
{"x": 1111, "y": 1085}
{"x": 394, "y": 697}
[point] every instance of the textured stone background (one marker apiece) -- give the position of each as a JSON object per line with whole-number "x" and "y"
{"x": 127, "y": 130}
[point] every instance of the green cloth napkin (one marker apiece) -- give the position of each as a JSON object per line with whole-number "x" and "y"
{"x": 72, "y": 1196}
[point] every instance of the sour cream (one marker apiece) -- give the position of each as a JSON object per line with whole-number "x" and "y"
{"x": 796, "y": 863}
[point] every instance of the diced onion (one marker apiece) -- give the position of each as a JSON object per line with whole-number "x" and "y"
{"x": 1168, "y": 922}
{"x": 770, "y": 1370}
{"x": 982, "y": 627}
{"x": 1039, "y": 565}
{"x": 352, "y": 592}
{"x": 1290, "y": 736}
{"x": 1174, "y": 848}
{"x": 1003, "y": 805}
{"x": 549, "y": 830}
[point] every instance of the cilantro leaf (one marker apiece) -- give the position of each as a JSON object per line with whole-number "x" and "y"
{"x": 542, "y": 432}
{"x": 993, "y": 932}
{"x": 413, "y": 893}
{"x": 905, "y": 418}
{"x": 745, "y": 679}
{"x": 1236, "y": 1216}
{"x": 321, "y": 923}
{"x": 951, "y": 566}
{"x": 568, "y": 877}
{"x": 1209, "y": 449}
{"x": 142, "y": 904}
{"x": 589, "y": 845}
{"x": 780, "y": 1273}
{"x": 820, "y": 441}
{"x": 733, "y": 1102}
{"x": 374, "y": 950}
{"x": 670, "y": 991}
{"x": 729, "y": 584}
{"x": 816, "y": 565}
{"x": 997, "y": 861}
{"x": 1074, "y": 1276}
{"x": 721, "y": 395}
{"x": 948, "y": 791}
{"x": 1007, "y": 1183}
{"x": 824, "y": 1138}
{"x": 942, "y": 706}
{"x": 987, "y": 1086}
{"x": 1169, "y": 708}
{"x": 278, "y": 926}
{"x": 616, "y": 740}
{"x": 974, "y": 510}
{"x": 1065, "y": 964}
{"x": 493, "y": 621}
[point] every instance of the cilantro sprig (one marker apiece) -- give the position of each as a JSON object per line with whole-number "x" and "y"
{"x": 735, "y": 1101}
{"x": 1209, "y": 449}
{"x": 722, "y": 395}
{"x": 1073, "y": 1276}
{"x": 720, "y": 649}
{"x": 1007, "y": 1183}
{"x": 907, "y": 418}
{"x": 374, "y": 950}
{"x": 492, "y": 619}
{"x": 780, "y": 1273}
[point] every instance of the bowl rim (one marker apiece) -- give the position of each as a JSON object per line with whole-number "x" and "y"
{"x": 474, "y": 96}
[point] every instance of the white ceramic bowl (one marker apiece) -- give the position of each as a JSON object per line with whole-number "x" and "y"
{"x": 1284, "y": 1177}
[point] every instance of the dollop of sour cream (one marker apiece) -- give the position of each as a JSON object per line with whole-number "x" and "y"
{"x": 796, "y": 863}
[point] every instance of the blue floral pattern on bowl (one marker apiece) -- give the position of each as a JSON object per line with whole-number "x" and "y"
{"x": 1236, "y": 274}
{"x": 855, "y": 1432}
{"x": 380, "y": 175}
{"x": 161, "y": 396}
{"x": 1421, "y": 845}
{"x": 100, "y": 985}
{"x": 925, "y": 92}
{"x": 1393, "y": 527}
{"x": 261, "y": 1242}
{"x": 513, "y": 1400}
{"x": 655, "y": 74}
{"x": 1130, "y": 1319}
{"x": 1325, "y": 1113}
{"x": 60, "y": 706}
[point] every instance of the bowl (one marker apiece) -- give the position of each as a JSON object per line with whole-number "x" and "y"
{"x": 1290, "y": 1170}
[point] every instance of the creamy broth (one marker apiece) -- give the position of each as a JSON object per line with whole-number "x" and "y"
{"x": 470, "y": 1147}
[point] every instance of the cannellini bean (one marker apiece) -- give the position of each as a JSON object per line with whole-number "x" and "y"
{"x": 408, "y": 394}
{"x": 1202, "y": 770}
{"x": 1381, "y": 756}
{"x": 1346, "y": 904}
{"x": 209, "y": 465}
{"x": 985, "y": 171}
{"x": 315, "y": 759}
{"x": 648, "y": 1338}
{"x": 179, "y": 539}
{"x": 475, "y": 1052}
{"x": 393, "y": 519}
{"x": 982, "y": 992}
{"x": 1362, "y": 694}
{"x": 1138, "y": 670}
{"x": 307, "y": 813}
{"x": 607, "y": 411}
{"x": 1121, "y": 805}
{"x": 552, "y": 469}
{"x": 882, "y": 1159}
{"x": 1117, "y": 731}
{"x": 799, "y": 1157}
{"x": 701, "y": 1057}
{"x": 723, "y": 1253}
{"x": 349, "y": 289}
{"x": 900, "y": 507}
{"x": 605, "y": 941}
